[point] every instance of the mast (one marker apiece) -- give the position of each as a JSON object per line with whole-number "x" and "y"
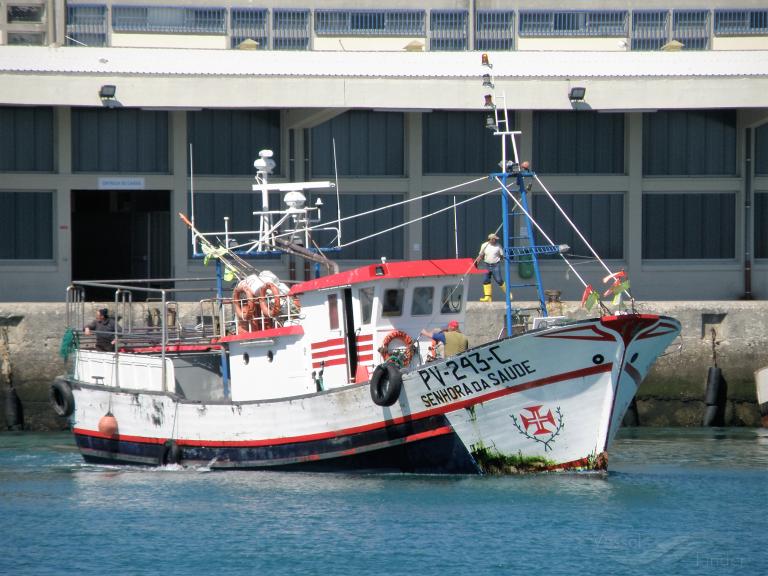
{"x": 497, "y": 119}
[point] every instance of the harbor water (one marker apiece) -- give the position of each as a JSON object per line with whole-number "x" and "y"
{"x": 676, "y": 501}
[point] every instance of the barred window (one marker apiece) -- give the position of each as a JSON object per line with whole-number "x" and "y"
{"x": 369, "y": 22}
{"x": 169, "y": 19}
{"x": 448, "y": 29}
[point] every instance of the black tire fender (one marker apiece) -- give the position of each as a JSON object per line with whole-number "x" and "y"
{"x": 170, "y": 454}
{"x": 386, "y": 384}
{"x": 61, "y": 398}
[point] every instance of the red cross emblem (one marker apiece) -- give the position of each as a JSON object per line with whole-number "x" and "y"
{"x": 538, "y": 420}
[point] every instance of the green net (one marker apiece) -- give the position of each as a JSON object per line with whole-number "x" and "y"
{"x": 69, "y": 343}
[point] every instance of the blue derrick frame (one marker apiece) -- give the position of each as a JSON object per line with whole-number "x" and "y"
{"x": 530, "y": 251}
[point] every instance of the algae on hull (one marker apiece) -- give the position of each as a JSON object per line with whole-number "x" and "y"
{"x": 493, "y": 462}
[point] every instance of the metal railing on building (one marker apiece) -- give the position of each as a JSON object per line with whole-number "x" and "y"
{"x": 588, "y": 23}
{"x": 448, "y": 29}
{"x": 177, "y": 19}
{"x": 691, "y": 28}
{"x": 495, "y": 30}
{"x": 741, "y": 22}
{"x": 369, "y": 22}
{"x": 291, "y": 29}
{"x": 90, "y": 24}
{"x": 86, "y": 25}
{"x": 249, "y": 24}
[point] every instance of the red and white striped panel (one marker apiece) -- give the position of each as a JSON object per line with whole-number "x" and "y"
{"x": 332, "y": 352}
{"x": 365, "y": 349}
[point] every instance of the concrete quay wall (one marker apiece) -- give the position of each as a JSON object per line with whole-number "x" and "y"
{"x": 672, "y": 395}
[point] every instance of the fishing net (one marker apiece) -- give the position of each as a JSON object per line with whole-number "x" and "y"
{"x": 69, "y": 343}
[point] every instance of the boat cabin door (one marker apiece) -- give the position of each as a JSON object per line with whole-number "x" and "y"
{"x": 350, "y": 334}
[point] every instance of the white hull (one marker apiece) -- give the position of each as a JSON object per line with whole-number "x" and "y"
{"x": 761, "y": 380}
{"x": 549, "y": 399}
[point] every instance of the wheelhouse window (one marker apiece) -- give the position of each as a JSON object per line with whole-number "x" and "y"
{"x": 451, "y": 299}
{"x": 422, "y": 301}
{"x": 333, "y": 311}
{"x": 365, "y": 296}
{"x": 393, "y": 303}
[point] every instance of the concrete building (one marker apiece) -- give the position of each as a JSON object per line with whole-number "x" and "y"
{"x": 106, "y": 107}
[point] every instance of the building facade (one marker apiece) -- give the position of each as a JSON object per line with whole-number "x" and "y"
{"x": 663, "y": 163}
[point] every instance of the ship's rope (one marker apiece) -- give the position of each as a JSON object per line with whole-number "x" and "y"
{"x": 547, "y": 238}
{"x": 326, "y": 224}
{"x": 419, "y": 219}
{"x": 576, "y": 229}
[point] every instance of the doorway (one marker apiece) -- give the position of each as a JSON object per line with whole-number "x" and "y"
{"x": 120, "y": 235}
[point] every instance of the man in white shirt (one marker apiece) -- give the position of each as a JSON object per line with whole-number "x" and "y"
{"x": 490, "y": 255}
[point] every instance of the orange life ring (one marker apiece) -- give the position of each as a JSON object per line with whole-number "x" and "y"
{"x": 266, "y": 310}
{"x": 244, "y": 301}
{"x": 398, "y": 335}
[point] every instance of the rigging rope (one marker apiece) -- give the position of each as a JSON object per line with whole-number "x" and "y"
{"x": 567, "y": 219}
{"x": 544, "y": 234}
{"x": 435, "y": 213}
{"x": 390, "y": 206}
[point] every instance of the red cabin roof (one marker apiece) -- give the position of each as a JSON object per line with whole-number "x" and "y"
{"x": 389, "y": 270}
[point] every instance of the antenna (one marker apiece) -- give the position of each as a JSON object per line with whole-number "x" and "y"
{"x": 264, "y": 166}
{"x": 455, "y": 228}
{"x": 192, "y": 196}
{"x": 338, "y": 200}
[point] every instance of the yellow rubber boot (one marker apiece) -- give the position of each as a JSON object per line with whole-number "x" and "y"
{"x": 487, "y": 290}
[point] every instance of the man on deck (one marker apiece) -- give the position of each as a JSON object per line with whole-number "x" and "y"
{"x": 451, "y": 338}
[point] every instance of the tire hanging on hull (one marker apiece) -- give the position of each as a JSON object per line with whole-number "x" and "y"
{"x": 386, "y": 383}
{"x": 61, "y": 398}
{"x": 170, "y": 454}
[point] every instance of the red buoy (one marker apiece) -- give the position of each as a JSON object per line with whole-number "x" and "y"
{"x": 108, "y": 425}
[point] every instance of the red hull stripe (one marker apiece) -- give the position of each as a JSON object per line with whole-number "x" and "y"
{"x": 330, "y": 352}
{"x": 367, "y": 348}
{"x": 660, "y": 330}
{"x": 633, "y": 373}
{"x": 328, "y": 343}
{"x": 261, "y": 334}
{"x": 171, "y": 348}
{"x": 629, "y": 325}
{"x": 365, "y": 337}
{"x": 376, "y": 425}
{"x": 365, "y": 357}
{"x": 122, "y": 437}
{"x": 331, "y": 362}
{"x": 590, "y": 332}
{"x": 580, "y": 463}
{"x": 388, "y": 271}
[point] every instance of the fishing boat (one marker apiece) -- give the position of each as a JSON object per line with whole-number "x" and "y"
{"x": 761, "y": 380}
{"x": 333, "y": 374}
